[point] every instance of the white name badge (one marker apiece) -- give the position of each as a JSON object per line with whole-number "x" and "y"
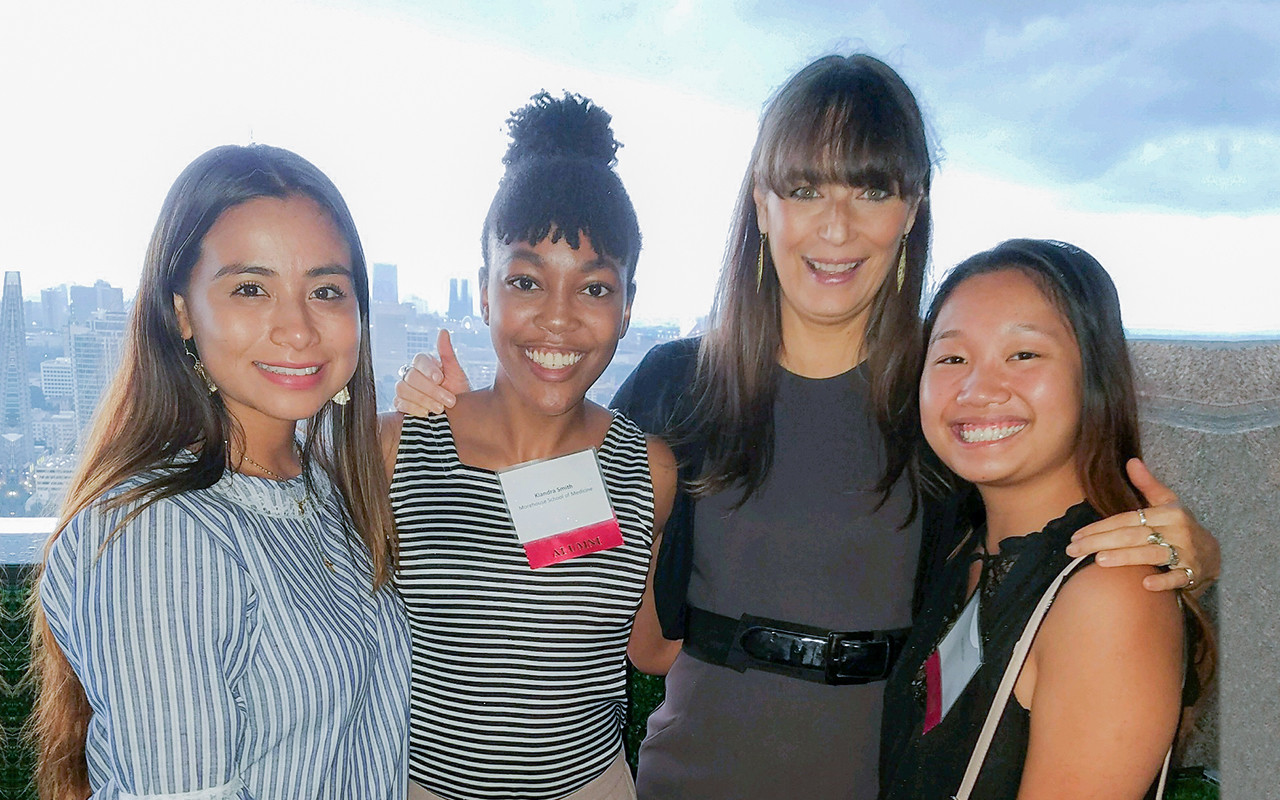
{"x": 560, "y": 508}
{"x": 951, "y": 667}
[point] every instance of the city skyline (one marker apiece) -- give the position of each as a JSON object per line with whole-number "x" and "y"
{"x": 1152, "y": 147}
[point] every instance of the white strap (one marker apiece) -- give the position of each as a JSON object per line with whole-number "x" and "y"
{"x": 1020, "y": 652}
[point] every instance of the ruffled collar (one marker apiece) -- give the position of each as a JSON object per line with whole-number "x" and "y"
{"x": 284, "y": 499}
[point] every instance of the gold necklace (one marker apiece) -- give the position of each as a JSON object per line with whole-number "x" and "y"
{"x": 302, "y": 509}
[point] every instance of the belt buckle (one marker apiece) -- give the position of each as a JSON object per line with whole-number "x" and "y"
{"x": 874, "y": 657}
{"x": 784, "y": 648}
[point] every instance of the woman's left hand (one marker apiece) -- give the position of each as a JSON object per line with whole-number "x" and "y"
{"x": 1126, "y": 538}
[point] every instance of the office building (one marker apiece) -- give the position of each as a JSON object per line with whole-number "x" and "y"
{"x": 95, "y": 348}
{"x": 15, "y": 394}
{"x": 460, "y": 305}
{"x": 386, "y": 285}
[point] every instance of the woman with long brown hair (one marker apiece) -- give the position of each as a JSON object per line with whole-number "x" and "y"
{"x": 790, "y": 566}
{"x": 1030, "y": 415}
{"x": 215, "y": 616}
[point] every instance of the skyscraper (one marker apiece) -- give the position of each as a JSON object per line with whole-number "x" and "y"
{"x": 95, "y": 353}
{"x": 460, "y": 305}
{"x": 386, "y": 285}
{"x": 15, "y": 394}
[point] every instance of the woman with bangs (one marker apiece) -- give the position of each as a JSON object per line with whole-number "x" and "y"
{"x": 793, "y": 426}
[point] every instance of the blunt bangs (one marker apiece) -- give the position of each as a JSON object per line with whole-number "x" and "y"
{"x": 844, "y": 133}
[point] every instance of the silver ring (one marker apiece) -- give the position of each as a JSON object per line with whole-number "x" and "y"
{"x": 1173, "y": 556}
{"x": 404, "y": 370}
{"x": 1155, "y": 538}
{"x": 1191, "y": 577}
{"x": 1142, "y": 516}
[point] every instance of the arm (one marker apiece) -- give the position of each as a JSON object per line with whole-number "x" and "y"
{"x": 389, "y": 423}
{"x": 158, "y": 628}
{"x": 1121, "y": 540}
{"x": 1105, "y": 688}
{"x": 648, "y": 650}
{"x": 432, "y": 384}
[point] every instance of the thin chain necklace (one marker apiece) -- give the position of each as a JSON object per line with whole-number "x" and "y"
{"x": 302, "y": 509}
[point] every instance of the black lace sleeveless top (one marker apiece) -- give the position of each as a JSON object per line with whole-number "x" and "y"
{"x": 915, "y": 764}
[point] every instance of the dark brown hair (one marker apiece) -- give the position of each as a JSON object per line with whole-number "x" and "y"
{"x": 157, "y": 409}
{"x": 1108, "y": 434}
{"x": 846, "y": 120}
{"x": 1080, "y": 289}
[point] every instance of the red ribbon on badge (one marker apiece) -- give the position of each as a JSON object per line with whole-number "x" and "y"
{"x": 933, "y": 691}
{"x": 571, "y": 544}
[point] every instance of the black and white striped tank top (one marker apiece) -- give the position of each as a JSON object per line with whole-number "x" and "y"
{"x": 519, "y": 678}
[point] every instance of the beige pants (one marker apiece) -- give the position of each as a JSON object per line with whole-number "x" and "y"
{"x": 614, "y": 783}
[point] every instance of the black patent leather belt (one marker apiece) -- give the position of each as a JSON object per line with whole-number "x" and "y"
{"x": 791, "y": 649}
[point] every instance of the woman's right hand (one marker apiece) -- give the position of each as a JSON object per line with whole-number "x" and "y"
{"x": 432, "y": 383}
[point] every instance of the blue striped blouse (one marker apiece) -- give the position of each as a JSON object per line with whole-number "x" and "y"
{"x": 222, "y": 658}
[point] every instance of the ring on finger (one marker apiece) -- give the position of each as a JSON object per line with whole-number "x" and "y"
{"x": 1191, "y": 577}
{"x": 1173, "y": 555}
{"x": 1142, "y": 517}
{"x": 404, "y": 370}
{"x": 1155, "y": 538}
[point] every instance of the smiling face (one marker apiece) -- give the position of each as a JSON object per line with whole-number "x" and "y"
{"x": 556, "y": 315}
{"x": 1000, "y": 394}
{"x": 832, "y": 246}
{"x": 273, "y": 312}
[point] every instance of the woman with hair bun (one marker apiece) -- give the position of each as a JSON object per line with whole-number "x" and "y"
{"x": 519, "y": 653}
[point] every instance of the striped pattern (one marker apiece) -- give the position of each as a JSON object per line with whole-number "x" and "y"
{"x": 222, "y": 659}
{"x": 519, "y": 680}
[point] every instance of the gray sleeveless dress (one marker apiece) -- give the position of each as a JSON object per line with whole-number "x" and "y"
{"x": 812, "y": 548}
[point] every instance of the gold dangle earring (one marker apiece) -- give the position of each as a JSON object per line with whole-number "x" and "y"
{"x": 764, "y": 242}
{"x": 902, "y": 264}
{"x": 199, "y": 367}
{"x": 342, "y": 397}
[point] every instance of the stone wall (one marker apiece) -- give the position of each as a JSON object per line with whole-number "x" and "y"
{"x": 1211, "y": 430}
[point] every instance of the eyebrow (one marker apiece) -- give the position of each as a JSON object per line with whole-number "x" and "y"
{"x": 266, "y": 272}
{"x": 1017, "y": 327}
{"x": 599, "y": 262}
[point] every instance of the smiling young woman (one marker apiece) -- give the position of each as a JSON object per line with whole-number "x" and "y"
{"x": 215, "y": 617}
{"x": 519, "y": 665}
{"x": 1027, "y": 399}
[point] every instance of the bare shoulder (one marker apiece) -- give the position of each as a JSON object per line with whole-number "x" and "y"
{"x": 389, "y": 425}
{"x": 1118, "y": 589}
{"x": 1111, "y": 607}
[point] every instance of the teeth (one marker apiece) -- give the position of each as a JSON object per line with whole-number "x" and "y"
{"x": 990, "y": 433}
{"x": 551, "y": 359}
{"x": 843, "y": 266}
{"x": 288, "y": 370}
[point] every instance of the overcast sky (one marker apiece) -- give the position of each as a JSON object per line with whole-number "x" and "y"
{"x": 1146, "y": 132}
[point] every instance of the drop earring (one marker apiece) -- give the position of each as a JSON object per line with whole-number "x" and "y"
{"x": 342, "y": 397}
{"x": 201, "y": 372}
{"x": 902, "y": 264}
{"x": 764, "y": 242}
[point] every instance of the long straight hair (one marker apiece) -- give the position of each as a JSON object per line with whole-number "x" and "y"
{"x": 1108, "y": 434}
{"x": 158, "y": 408}
{"x": 846, "y": 120}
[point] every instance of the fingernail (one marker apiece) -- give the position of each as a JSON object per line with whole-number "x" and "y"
{"x": 435, "y": 377}
{"x": 1102, "y": 558}
{"x": 1072, "y": 550}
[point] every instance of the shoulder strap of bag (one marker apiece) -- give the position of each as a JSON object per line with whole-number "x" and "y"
{"x": 1019, "y": 658}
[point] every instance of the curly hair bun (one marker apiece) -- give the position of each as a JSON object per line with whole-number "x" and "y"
{"x": 566, "y": 127}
